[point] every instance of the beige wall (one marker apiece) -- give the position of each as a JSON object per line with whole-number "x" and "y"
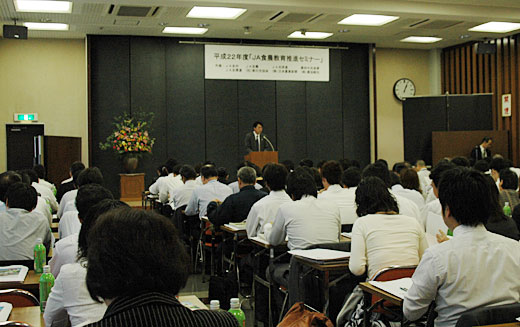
{"x": 391, "y": 65}
{"x": 46, "y": 76}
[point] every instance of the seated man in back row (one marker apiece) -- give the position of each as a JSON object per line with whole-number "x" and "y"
{"x": 475, "y": 268}
{"x": 211, "y": 190}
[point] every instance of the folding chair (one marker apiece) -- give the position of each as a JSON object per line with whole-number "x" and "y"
{"x": 207, "y": 241}
{"x": 18, "y": 298}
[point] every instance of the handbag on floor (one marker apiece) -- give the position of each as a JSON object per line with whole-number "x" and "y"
{"x": 300, "y": 316}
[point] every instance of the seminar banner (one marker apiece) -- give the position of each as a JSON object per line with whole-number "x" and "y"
{"x": 266, "y": 63}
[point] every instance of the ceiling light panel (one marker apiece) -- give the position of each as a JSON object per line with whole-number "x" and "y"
{"x": 215, "y": 12}
{"x": 185, "y": 30}
{"x": 60, "y": 7}
{"x": 47, "y": 26}
{"x": 368, "y": 20}
{"x": 309, "y": 35}
{"x": 496, "y": 27}
{"x": 421, "y": 39}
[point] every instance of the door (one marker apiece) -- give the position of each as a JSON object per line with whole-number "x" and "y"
{"x": 20, "y": 145}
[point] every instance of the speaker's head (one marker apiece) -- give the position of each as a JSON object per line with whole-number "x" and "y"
{"x": 15, "y": 32}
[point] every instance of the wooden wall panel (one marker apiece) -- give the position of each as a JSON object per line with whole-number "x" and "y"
{"x": 466, "y": 72}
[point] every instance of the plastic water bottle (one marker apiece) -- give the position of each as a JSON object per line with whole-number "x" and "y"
{"x": 237, "y": 311}
{"x": 40, "y": 256}
{"x": 507, "y": 209}
{"x": 46, "y": 284}
{"x": 214, "y": 305}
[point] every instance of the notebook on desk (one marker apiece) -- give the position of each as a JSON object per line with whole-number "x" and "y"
{"x": 322, "y": 255}
{"x": 13, "y": 274}
{"x": 237, "y": 226}
{"x": 5, "y": 311}
{"x": 397, "y": 287}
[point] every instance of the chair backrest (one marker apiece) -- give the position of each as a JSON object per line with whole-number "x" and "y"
{"x": 14, "y": 324}
{"x": 18, "y": 298}
{"x": 391, "y": 273}
{"x": 491, "y": 315}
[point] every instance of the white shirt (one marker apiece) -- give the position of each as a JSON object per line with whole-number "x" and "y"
{"x": 264, "y": 210}
{"x": 424, "y": 180}
{"x": 47, "y": 194}
{"x": 154, "y": 188}
{"x": 433, "y": 207}
{"x": 411, "y": 195}
{"x": 67, "y": 180}
{"x": 19, "y": 230}
{"x": 305, "y": 222}
{"x": 406, "y": 207}
{"x": 70, "y": 295}
{"x": 3, "y": 208}
{"x": 345, "y": 199}
{"x": 69, "y": 224}
{"x": 475, "y": 268}
{"x": 168, "y": 184}
{"x": 181, "y": 195}
{"x": 380, "y": 241}
{"x": 70, "y": 196}
{"x": 234, "y": 187}
{"x": 204, "y": 194}
{"x": 48, "y": 185}
{"x": 43, "y": 207}
{"x": 65, "y": 251}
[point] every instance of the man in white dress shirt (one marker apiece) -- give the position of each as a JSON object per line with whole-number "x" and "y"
{"x": 20, "y": 225}
{"x": 435, "y": 205}
{"x": 87, "y": 176}
{"x": 331, "y": 172}
{"x": 424, "y": 176}
{"x": 181, "y": 195}
{"x": 156, "y": 187}
{"x": 44, "y": 191}
{"x": 265, "y": 209}
{"x": 211, "y": 190}
{"x": 170, "y": 183}
{"x": 475, "y": 268}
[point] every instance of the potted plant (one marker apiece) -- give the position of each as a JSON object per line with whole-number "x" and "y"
{"x": 130, "y": 139}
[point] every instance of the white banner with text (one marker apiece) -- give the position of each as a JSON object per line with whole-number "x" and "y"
{"x": 266, "y": 63}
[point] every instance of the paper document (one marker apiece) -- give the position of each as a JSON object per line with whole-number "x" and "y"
{"x": 321, "y": 254}
{"x": 237, "y": 226}
{"x": 15, "y": 273}
{"x": 5, "y": 311}
{"x": 192, "y": 302}
{"x": 397, "y": 287}
{"x": 260, "y": 238}
{"x": 349, "y": 235}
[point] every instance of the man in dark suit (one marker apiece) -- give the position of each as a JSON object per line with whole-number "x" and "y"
{"x": 482, "y": 151}
{"x": 235, "y": 207}
{"x": 255, "y": 141}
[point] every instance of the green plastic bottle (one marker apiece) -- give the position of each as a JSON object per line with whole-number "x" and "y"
{"x": 237, "y": 311}
{"x": 450, "y": 232}
{"x": 40, "y": 256}
{"x": 46, "y": 284}
{"x": 507, "y": 209}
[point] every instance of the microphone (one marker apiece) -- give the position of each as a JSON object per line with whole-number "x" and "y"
{"x": 271, "y": 144}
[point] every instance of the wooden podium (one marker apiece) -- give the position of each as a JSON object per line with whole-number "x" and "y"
{"x": 261, "y": 158}
{"x": 132, "y": 185}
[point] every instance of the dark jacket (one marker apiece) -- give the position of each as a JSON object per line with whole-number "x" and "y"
{"x": 160, "y": 310}
{"x": 252, "y": 145}
{"x": 477, "y": 154}
{"x": 235, "y": 207}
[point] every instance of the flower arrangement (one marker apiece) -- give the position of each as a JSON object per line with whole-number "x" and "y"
{"x": 131, "y": 134}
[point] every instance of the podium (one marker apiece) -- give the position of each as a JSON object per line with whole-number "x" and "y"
{"x": 132, "y": 185}
{"x": 261, "y": 158}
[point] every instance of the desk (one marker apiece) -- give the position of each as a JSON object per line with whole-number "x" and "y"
{"x": 236, "y": 234}
{"x": 370, "y": 290}
{"x": 30, "y": 315}
{"x": 31, "y": 283}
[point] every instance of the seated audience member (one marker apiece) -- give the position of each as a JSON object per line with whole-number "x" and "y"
{"x": 223, "y": 175}
{"x": 496, "y": 165}
{"x": 181, "y": 195}
{"x": 460, "y": 162}
{"x": 170, "y": 183}
{"x": 211, "y": 190}
{"x": 307, "y": 220}
{"x": 435, "y": 205}
{"x": 508, "y": 185}
{"x": 140, "y": 286}
{"x": 306, "y": 163}
{"x": 333, "y": 191}
{"x": 40, "y": 171}
{"x": 68, "y": 184}
{"x": 498, "y": 222}
{"x": 382, "y": 237}
{"x": 424, "y": 176}
{"x": 350, "y": 178}
{"x": 87, "y": 176}
{"x": 398, "y": 166}
{"x": 70, "y": 225}
{"x": 473, "y": 269}
{"x": 482, "y": 166}
{"x": 42, "y": 205}
{"x": 235, "y": 207}
{"x": 409, "y": 187}
{"x": 69, "y": 299}
{"x": 7, "y": 179}
{"x": 234, "y": 186}
{"x": 289, "y": 165}
{"x": 265, "y": 209}
{"x": 406, "y": 207}
{"x": 156, "y": 187}
{"x": 44, "y": 192}
{"x": 20, "y": 226}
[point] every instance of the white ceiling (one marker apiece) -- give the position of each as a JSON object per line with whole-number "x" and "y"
{"x": 275, "y": 19}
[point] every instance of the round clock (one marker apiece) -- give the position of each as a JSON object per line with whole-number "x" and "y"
{"x": 404, "y": 88}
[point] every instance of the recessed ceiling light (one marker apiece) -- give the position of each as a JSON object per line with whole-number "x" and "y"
{"x": 215, "y": 12}
{"x": 43, "y": 6}
{"x": 185, "y": 30}
{"x": 496, "y": 27}
{"x": 421, "y": 39}
{"x": 47, "y": 26}
{"x": 368, "y": 20}
{"x": 309, "y": 35}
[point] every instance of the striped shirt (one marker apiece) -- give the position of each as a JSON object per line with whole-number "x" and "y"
{"x": 160, "y": 310}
